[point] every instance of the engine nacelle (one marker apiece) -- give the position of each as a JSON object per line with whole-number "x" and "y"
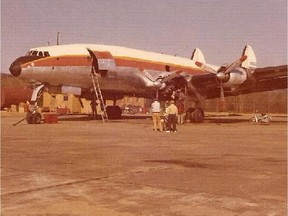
{"x": 236, "y": 77}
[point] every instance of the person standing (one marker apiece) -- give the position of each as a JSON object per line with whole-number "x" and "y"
{"x": 172, "y": 112}
{"x": 156, "y": 115}
{"x": 93, "y": 105}
{"x": 181, "y": 113}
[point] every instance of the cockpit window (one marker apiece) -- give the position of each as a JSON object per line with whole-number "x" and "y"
{"x": 36, "y": 53}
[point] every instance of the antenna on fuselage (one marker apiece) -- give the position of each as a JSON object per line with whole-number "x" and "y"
{"x": 58, "y": 38}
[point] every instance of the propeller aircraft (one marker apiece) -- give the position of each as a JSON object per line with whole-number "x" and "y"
{"x": 124, "y": 71}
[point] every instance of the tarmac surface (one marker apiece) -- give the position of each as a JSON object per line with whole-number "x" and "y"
{"x": 224, "y": 166}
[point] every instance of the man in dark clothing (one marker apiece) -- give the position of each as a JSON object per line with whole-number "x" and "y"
{"x": 93, "y": 105}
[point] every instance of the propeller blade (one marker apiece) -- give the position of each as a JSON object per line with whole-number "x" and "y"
{"x": 148, "y": 75}
{"x": 235, "y": 64}
{"x": 192, "y": 88}
{"x": 205, "y": 67}
{"x": 157, "y": 93}
{"x": 171, "y": 76}
{"x": 222, "y": 98}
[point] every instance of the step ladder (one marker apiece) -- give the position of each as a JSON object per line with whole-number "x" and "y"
{"x": 99, "y": 96}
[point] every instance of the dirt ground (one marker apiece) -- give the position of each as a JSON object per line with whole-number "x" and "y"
{"x": 224, "y": 166}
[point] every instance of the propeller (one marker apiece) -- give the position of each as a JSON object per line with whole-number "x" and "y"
{"x": 160, "y": 81}
{"x": 222, "y": 98}
{"x": 222, "y": 75}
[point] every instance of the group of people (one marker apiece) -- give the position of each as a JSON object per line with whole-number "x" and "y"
{"x": 173, "y": 112}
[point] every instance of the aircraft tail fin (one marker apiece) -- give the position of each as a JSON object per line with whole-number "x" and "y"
{"x": 250, "y": 62}
{"x": 198, "y": 56}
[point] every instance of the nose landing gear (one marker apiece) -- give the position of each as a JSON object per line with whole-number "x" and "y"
{"x": 33, "y": 116}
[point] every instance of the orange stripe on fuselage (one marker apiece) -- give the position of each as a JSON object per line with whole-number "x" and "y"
{"x": 83, "y": 60}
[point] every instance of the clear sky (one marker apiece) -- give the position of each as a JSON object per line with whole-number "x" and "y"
{"x": 220, "y": 28}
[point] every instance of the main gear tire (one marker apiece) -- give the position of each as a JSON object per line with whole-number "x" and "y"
{"x": 29, "y": 118}
{"x": 33, "y": 118}
{"x": 198, "y": 115}
{"x": 36, "y": 118}
{"x": 114, "y": 112}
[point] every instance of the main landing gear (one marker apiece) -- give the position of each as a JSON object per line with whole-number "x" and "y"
{"x": 114, "y": 112}
{"x": 192, "y": 114}
{"x": 195, "y": 114}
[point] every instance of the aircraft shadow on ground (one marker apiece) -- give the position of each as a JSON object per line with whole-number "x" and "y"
{"x": 226, "y": 120}
{"x": 216, "y": 119}
{"x": 90, "y": 118}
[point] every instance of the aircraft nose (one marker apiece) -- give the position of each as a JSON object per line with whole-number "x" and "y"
{"x": 15, "y": 68}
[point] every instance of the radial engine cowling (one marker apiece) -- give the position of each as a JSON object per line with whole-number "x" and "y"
{"x": 235, "y": 78}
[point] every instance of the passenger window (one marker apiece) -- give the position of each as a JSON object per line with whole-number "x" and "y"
{"x": 40, "y": 53}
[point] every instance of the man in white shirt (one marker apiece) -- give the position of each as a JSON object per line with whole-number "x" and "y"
{"x": 156, "y": 115}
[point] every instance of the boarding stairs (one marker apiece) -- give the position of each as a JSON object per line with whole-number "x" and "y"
{"x": 99, "y": 96}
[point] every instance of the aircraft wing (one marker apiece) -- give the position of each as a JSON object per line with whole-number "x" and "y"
{"x": 270, "y": 78}
{"x": 260, "y": 80}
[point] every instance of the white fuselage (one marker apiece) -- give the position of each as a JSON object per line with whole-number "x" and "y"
{"x": 70, "y": 65}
